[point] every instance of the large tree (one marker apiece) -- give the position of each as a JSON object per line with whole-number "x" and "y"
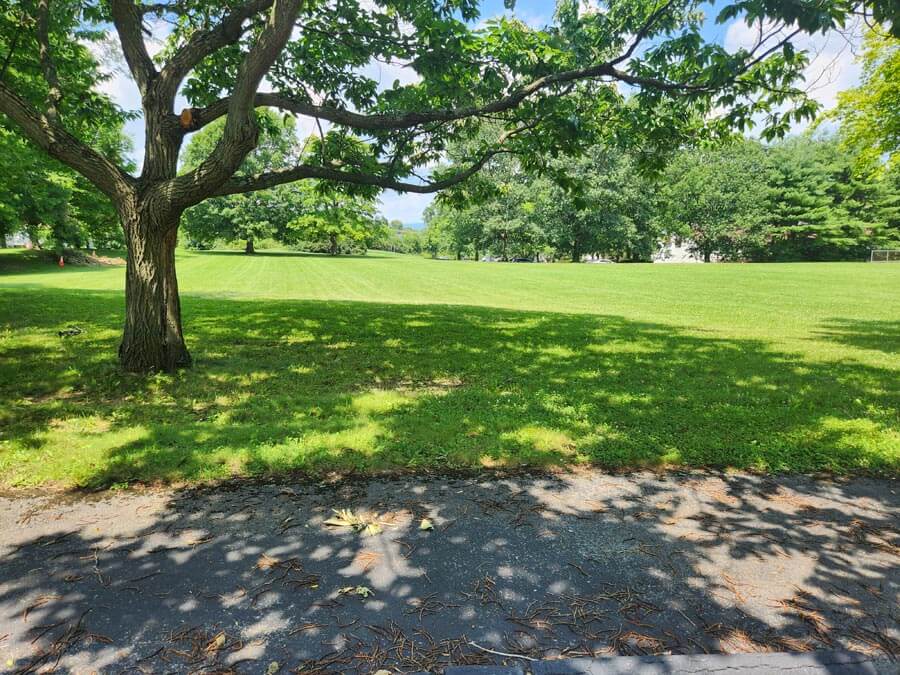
{"x": 340, "y": 219}
{"x": 717, "y": 198}
{"x": 819, "y": 208}
{"x": 246, "y": 217}
{"x": 553, "y": 90}
{"x": 606, "y": 208}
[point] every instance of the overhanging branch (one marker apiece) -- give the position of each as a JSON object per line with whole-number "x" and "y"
{"x": 274, "y": 178}
{"x": 395, "y": 121}
{"x": 61, "y": 145}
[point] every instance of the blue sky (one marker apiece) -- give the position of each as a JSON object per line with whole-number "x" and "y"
{"x": 832, "y": 70}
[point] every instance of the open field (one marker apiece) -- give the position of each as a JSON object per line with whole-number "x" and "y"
{"x": 390, "y": 362}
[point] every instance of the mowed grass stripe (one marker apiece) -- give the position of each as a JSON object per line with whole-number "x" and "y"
{"x": 447, "y": 364}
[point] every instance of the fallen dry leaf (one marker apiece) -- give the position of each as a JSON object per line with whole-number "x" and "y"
{"x": 367, "y": 559}
{"x": 368, "y": 525}
{"x": 216, "y": 643}
{"x": 266, "y": 562}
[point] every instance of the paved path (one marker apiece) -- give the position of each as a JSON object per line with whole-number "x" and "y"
{"x": 247, "y": 575}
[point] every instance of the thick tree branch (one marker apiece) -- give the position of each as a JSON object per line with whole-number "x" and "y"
{"x": 241, "y": 130}
{"x": 273, "y": 178}
{"x": 48, "y": 66}
{"x": 62, "y": 145}
{"x": 127, "y": 19}
{"x": 206, "y": 42}
{"x": 335, "y": 173}
{"x": 395, "y": 121}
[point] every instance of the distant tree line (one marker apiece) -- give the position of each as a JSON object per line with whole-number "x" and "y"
{"x": 801, "y": 199}
{"x": 805, "y": 198}
{"x": 597, "y": 204}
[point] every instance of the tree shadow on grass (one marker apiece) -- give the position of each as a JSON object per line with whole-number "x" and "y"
{"x": 234, "y": 577}
{"x": 242, "y": 574}
{"x": 881, "y": 336}
{"x": 322, "y": 386}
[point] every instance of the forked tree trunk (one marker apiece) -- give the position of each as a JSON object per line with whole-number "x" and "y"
{"x": 153, "y": 339}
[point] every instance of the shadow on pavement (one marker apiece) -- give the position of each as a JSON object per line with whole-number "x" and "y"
{"x": 238, "y": 576}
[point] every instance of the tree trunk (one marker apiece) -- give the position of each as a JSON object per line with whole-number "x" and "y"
{"x": 249, "y": 247}
{"x": 153, "y": 338}
{"x": 333, "y": 249}
{"x": 707, "y": 256}
{"x": 576, "y": 252}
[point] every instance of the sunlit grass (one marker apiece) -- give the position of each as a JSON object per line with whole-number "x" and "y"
{"x": 389, "y": 362}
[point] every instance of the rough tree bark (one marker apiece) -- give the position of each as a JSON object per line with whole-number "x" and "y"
{"x": 249, "y": 249}
{"x": 153, "y": 338}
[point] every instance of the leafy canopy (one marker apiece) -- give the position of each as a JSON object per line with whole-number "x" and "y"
{"x": 632, "y": 72}
{"x": 39, "y": 195}
{"x": 870, "y": 113}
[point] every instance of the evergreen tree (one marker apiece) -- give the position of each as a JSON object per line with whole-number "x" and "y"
{"x": 819, "y": 209}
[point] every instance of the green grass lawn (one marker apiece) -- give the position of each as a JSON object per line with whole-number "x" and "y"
{"x": 392, "y": 362}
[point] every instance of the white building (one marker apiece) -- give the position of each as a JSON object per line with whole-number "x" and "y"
{"x": 18, "y": 240}
{"x": 677, "y": 250}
